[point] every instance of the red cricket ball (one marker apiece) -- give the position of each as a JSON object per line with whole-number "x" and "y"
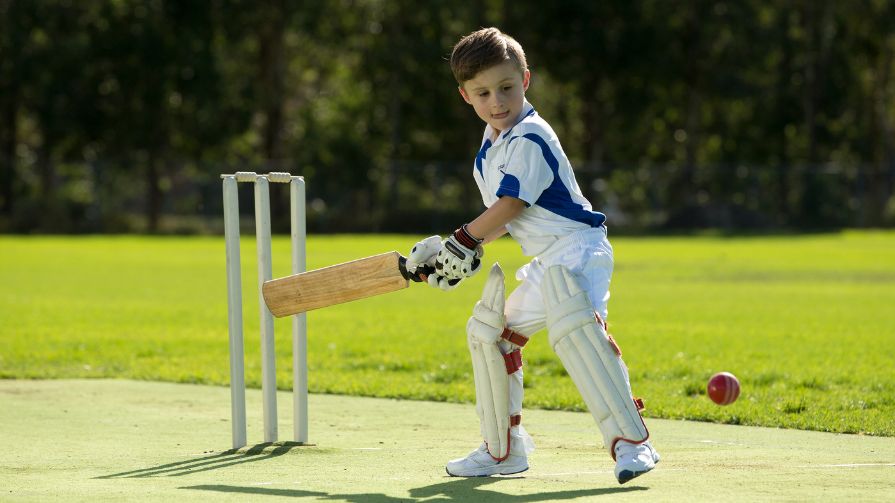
{"x": 724, "y": 388}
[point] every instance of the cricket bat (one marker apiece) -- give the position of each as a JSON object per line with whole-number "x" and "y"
{"x": 340, "y": 283}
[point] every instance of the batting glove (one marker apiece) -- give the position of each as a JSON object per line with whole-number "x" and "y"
{"x": 423, "y": 253}
{"x": 460, "y": 255}
{"x": 436, "y": 281}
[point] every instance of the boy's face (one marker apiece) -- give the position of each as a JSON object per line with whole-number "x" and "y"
{"x": 497, "y": 94}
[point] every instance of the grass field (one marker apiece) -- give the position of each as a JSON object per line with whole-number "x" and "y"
{"x": 806, "y": 322}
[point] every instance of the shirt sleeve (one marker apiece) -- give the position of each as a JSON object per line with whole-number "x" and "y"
{"x": 480, "y": 183}
{"x": 528, "y": 170}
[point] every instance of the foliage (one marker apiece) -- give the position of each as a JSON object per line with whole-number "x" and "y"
{"x": 804, "y": 321}
{"x": 755, "y": 113}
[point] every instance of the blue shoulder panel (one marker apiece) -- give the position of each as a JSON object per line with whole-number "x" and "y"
{"x": 557, "y": 198}
{"x": 481, "y": 156}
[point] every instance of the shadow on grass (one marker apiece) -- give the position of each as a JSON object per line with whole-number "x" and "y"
{"x": 217, "y": 461}
{"x": 462, "y": 489}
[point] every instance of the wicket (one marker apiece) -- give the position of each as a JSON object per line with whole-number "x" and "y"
{"x": 234, "y": 304}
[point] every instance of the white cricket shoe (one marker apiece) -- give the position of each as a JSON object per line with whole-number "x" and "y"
{"x": 479, "y": 463}
{"x": 633, "y": 460}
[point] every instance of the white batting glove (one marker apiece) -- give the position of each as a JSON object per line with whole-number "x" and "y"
{"x": 423, "y": 253}
{"x": 460, "y": 255}
{"x": 436, "y": 281}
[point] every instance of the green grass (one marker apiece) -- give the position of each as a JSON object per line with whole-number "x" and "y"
{"x": 805, "y": 322}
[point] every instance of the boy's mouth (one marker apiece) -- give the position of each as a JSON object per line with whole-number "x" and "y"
{"x": 501, "y": 115}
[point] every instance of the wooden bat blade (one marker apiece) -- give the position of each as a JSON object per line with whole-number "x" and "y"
{"x": 335, "y": 284}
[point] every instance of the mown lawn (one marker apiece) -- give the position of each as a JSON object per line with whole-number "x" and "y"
{"x": 806, "y": 322}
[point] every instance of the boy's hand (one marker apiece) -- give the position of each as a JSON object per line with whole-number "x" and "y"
{"x": 460, "y": 255}
{"x": 436, "y": 281}
{"x": 423, "y": 253}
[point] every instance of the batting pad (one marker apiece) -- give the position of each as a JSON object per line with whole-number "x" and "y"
{"x": 490, "y": 370}
{"x": 591, "y": 358}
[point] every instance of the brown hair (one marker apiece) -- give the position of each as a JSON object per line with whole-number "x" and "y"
{"x": 483, "y": 49}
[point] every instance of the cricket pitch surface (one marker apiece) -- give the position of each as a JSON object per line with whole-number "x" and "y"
{"x": 96, "y": 440}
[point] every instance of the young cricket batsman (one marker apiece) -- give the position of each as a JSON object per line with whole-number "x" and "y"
{"x": 530, "y": 191}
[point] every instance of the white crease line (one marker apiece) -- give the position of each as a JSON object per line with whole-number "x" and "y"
{"x": 718, "y": 443}
{"x": 571, "y": 473}
{"x": 601, "y": 472}
{"x": 847, "y": 465}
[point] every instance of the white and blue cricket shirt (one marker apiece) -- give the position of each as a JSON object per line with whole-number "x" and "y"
{"x": 527, "y": 162}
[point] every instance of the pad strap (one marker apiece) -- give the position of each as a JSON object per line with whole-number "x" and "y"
{"x": 513, "y": 360}
{"x": 612, "y": 342}
{"x": 514, "y": 337}
{"x": 514, "y": 421}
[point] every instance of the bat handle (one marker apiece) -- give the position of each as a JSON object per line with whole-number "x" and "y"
{"x": 421, "y": 273}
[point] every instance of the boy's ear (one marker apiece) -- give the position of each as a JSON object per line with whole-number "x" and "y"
{"x": 463, "y": 93}
{"x": 526, "y": 79}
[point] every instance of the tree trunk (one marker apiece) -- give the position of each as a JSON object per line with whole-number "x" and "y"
{"x": 784, "y": 76}
{"x": 47, "y": 177}
{"x": 593, "y": 120}
{"x": 8, "y": 135}
{"x": 693, "y": 78}
{"x": 884, "y": 159}
{"x": 272, "y": 69}
{"x": 682, "y": 190}
{"x": 14, "y": 32}
{"x": 153, "y": 195}
{"x": 52, "y": 216}
{"x": 815, "y": 24}
{"x": 395, "y": 112}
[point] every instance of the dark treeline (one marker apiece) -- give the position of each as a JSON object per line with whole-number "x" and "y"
{"x": 118, "y": 115}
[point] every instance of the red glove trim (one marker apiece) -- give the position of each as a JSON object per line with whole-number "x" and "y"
{"x": 465, "y": 238}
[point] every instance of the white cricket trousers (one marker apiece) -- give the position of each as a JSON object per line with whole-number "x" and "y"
{"x": 586, "y": 253}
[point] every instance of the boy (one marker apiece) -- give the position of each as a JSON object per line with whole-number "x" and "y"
{"x": 530, "y": 191}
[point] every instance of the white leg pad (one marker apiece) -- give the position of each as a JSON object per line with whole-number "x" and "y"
{"x": 591, "y": 358}
{"x": 490, "y": 369}
{"x": 492, "y": 396}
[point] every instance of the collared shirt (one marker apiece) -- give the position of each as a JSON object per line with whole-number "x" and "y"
{"x": 527, "y": 162}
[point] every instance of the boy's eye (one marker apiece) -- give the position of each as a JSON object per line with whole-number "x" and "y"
{"x": 483, "y": 94}
{"x": 507, "y": 88}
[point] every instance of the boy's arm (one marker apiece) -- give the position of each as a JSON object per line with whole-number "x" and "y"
{"x": 460, "y": 252}
{"x": 464, "y": 261}
{"x": 495, "y": 235}
{"x": 491, "y": 224}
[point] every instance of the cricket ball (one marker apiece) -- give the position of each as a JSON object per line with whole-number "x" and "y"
{"x": 724, "y": 388}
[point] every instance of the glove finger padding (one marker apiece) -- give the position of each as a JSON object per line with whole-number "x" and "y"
{"x": 460, "y": 255}
{"x": 424, "y": 252}
{"x": 455, "y": 261}
{"x": 446, "y": 284}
